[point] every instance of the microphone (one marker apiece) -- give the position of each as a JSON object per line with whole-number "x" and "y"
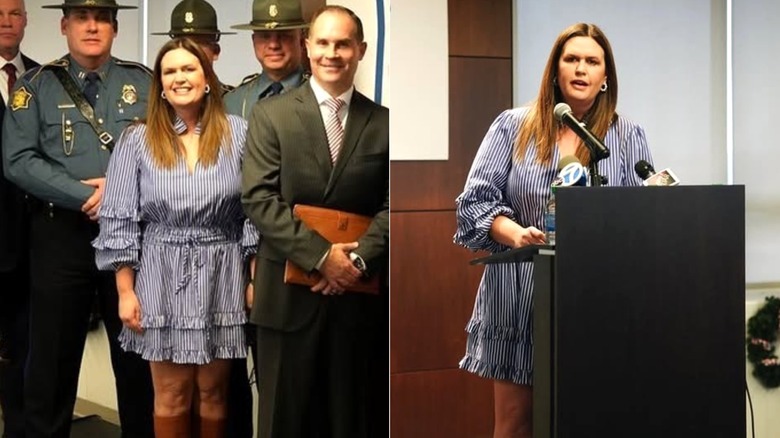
{"x": 646, "y": 171}
{"x": 570, "y": 173}
{"x": 563, "y": 114}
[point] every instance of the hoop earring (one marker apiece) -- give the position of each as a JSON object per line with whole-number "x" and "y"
{"x": 162, "y": 94}
{"x": 208, "y": 89}
{"x": 604, "y": 87}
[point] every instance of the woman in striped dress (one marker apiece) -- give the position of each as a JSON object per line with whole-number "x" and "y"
{"x": 173, "y": 229}
{"x": 503, "y": 200}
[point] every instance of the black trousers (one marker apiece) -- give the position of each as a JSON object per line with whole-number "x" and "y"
{"x": 326, "y": 380}
{"x": 239, "y": 402}
{"x": 14, "y": 309}
{"x": 64, "y": 285}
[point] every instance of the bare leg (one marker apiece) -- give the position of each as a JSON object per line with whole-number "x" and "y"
{"x": 212, "y": 380}
{"x": 512, "y": 406}
{"x": 173, "y": 388}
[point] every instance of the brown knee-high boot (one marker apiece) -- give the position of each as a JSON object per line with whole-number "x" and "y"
{"x": 212, "y": 427}
{"x": 172, "y": 427}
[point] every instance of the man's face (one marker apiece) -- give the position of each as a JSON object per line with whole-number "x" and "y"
{"x": 13, "y": 20}
{"x": 279, "y": 51}
{"x": 334, "y": 51}
{"x": 90, "y": 32}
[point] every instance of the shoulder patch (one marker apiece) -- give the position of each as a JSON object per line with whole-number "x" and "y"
{"x": 57, "y": 63}
{"x": 137, "y": 65}
{"x": 21, "y": 99}
{"x": 61, "y": 62}
{"x": 249, "y": 78}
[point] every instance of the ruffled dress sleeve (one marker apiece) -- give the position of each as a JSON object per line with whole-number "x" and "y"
{"x": 483, "y": 197}
{"x": 118, "y": 243}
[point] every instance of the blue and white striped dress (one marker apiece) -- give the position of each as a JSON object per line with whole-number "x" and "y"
{"x": 499, "y": 344}
{"x": 187, "y": 237}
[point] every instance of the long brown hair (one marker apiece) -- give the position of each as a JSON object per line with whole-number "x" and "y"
{"x": 540, "y": 125}
{"x": 164, "y": 144}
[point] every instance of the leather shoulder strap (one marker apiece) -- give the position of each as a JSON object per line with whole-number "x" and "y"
{"x": 84, "y": 107}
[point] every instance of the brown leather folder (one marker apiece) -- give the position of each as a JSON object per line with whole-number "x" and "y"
{"x": 337, "y": 227}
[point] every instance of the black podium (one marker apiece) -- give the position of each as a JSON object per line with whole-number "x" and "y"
{"x": 639, "y": 314}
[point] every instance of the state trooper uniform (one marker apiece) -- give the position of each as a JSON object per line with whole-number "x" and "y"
{"x": 197, "y": 18}
{"x": 49, "y": 147}
{"x": 267, "y": 15}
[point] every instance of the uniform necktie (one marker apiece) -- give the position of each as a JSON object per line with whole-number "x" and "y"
{"x": 274, "y": 89}
{"x": 10, "y": 70}
{"x": 333, "y": 128}
{"x": 91, "y": 89}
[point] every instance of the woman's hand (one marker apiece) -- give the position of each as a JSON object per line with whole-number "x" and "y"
{"x": 249, "y": 295}
{"x": 528, "y": 236}
{"x": 130, "y": 311}
{"x": 508, "y": 232}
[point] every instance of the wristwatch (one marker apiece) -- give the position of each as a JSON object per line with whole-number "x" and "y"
{"x": 358, "y": 262}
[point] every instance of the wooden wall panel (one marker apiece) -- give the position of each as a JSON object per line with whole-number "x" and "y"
{"x": 480, "y": 89}
{"x": 433, "y": 292}
{"x": 432, "y": 285}
{"x": 444, "y": 404}
{"x": 481, "y": 28}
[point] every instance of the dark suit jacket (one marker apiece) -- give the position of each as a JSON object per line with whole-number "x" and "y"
{"x": 287, "y": 162}
{"x": 13, "y": 218}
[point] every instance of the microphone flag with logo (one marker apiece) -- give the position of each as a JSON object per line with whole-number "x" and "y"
{"x": 650, "y": 177}
{"x": 570, "y": 173}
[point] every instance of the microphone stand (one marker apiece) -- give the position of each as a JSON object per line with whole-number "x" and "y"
{"x": 593, "y": 168}
{"x": 596, "y": 155}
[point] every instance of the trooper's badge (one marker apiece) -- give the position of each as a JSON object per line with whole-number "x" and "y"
{"x": 21, "y": 99}
{"x": 273, "y": 11}
{"x": 129, "y": 95}
{"x": 189, "y": 18}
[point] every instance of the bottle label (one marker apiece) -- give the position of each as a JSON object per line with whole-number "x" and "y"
{"x": 549, "y": 227}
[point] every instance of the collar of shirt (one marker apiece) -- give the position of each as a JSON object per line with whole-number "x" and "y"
{"x": 290, "y": 82}
{"x": 321, "y": 95}
{"x": 80, "y": 72}
{"x": 180, "y": 127}
{"x": 19, "y": 64}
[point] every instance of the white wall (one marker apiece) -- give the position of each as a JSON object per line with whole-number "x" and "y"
{"x": 419, "y": 126}
{"x": 670, "y": 68}
{"x": 756, "y": 93}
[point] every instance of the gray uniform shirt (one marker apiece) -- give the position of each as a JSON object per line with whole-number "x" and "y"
{"x": 49, "y": 147}
{"x": 240, "y": 101}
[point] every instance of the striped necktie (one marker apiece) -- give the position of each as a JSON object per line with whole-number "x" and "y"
{"x": 333, "y": 128}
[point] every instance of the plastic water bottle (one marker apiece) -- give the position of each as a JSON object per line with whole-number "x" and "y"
{"x": 549, "y": 218}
